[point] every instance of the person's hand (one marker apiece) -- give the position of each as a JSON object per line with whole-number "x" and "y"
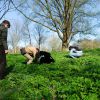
{"x": 6, "y": 51}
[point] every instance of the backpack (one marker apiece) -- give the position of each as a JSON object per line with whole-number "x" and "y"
{"x": 44, "y": 57}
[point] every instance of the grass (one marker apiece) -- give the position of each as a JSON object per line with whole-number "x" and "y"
{"x": 66, "y": 79}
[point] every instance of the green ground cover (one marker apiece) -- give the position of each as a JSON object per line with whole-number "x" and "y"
{"x": 66, "y": 79}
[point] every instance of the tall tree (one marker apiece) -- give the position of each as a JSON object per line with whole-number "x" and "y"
{"x": 62, "y": 16}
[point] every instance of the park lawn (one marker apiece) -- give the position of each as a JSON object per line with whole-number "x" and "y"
{"x": 66, "y": 79}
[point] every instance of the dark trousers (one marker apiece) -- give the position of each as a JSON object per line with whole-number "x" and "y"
{"x": 2, "y": 62}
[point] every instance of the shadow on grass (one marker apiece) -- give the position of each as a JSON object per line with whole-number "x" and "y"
{"x": 24, "y": 62}
{"x": 5, "y": 72}
{"x": 9, "y": 69}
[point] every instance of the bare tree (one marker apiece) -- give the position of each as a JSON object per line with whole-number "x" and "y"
{"x": 39, "y": 37}
{"x": 26, "y": 31}
{"x": 61, "y": 16}
{"x": 15, "y": 35}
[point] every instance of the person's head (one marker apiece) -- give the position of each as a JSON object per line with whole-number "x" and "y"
{"x": 71, "y": 47}
{"x": 74, "y": 47}
{"x": 37, "y": 50}
{"x": 6, "y": 23}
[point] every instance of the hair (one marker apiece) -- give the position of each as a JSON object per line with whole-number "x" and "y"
{"x": 6, "y": 22}
{"x": 37, "y": 49}
{"x": 75, "y": 47}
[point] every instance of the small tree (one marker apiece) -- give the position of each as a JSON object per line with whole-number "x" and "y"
{"x": 26, "y": 34}
{"x": 55, "y": 43}
{"x": 39, "y": 37}
{"x": 15, "y": 35}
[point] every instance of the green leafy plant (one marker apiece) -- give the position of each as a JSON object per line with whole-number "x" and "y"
{"x": 66, "y": 79}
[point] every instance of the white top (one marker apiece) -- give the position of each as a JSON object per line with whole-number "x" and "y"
{"x": 74, "y": 52}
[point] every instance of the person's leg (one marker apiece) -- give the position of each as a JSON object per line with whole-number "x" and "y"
{"x": 30, "y": 59}
{"x": 2, "y": 62}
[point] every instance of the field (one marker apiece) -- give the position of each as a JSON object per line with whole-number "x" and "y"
{"x": 66, "y": 79}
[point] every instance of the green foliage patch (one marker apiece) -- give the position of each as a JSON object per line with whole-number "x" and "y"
{"x": 66, "y": 79}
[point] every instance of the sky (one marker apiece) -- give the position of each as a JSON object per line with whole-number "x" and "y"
{"x": 13, "y": 15}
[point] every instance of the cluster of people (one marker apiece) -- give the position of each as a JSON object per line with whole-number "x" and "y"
{"x": 30, "y": 52}
{"x": 34, "y": 54}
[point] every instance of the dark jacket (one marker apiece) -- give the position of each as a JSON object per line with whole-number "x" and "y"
{"x": 44, "y": 57}
{"x": 3, "y": 36}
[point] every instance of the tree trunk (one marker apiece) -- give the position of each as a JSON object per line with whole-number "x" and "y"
{"x": 66, "y": 36}
{"x": 64, "y": 43}
{"x": 67, "y": 29}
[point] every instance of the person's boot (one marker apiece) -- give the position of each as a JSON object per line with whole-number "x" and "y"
{"x": 30, "y": 59}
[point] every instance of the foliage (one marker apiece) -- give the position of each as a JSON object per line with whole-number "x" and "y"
{"x": 66, "y": 79}
{"x": 89, "y": 44}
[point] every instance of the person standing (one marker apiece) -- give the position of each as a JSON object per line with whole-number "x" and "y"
{"x": 3, "y": 46}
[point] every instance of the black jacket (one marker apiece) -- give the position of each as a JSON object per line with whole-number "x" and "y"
{"x": 44, "y": 57}
{"x": 3, "y": 36}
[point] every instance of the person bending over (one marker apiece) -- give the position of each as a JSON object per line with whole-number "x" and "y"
{"x": 29, "y": 52}
{"x": 75, "y": 52}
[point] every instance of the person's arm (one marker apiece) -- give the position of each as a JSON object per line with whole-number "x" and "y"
{"x": 73, "y": 50}
{"x": 1, "y": 27}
